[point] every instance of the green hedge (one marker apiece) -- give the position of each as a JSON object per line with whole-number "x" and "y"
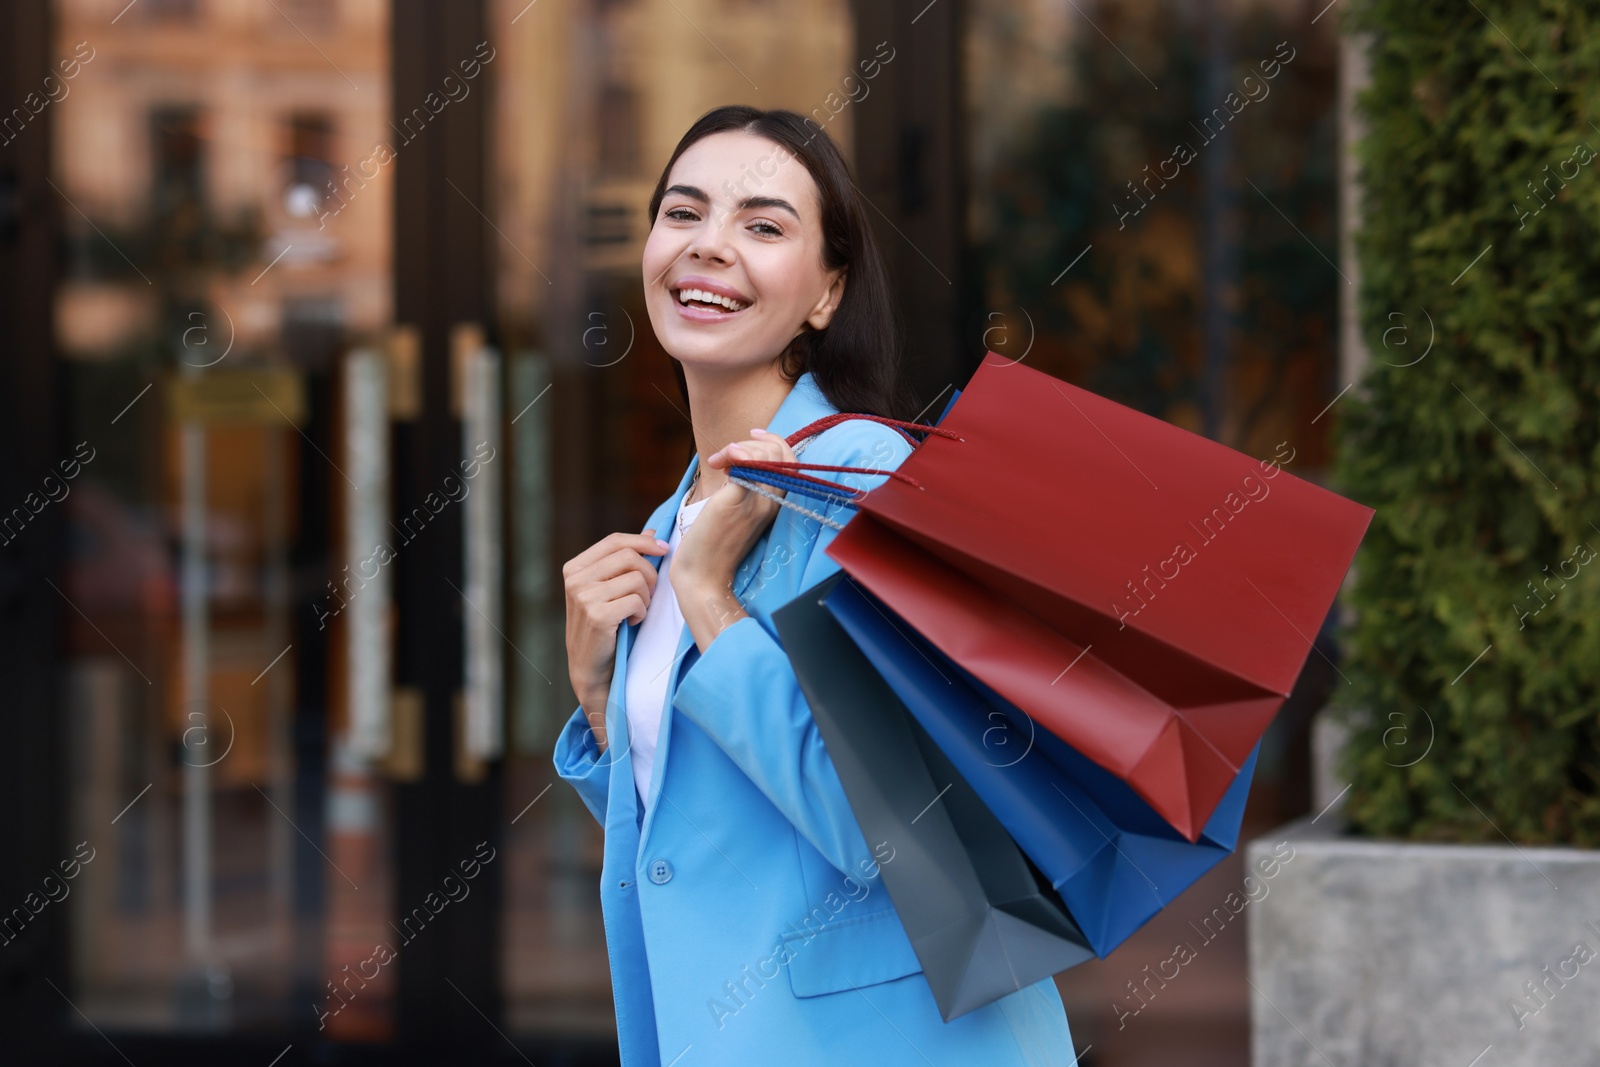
{"x": 1482, "y": 459}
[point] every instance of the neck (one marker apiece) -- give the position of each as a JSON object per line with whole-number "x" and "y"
{"x": 723, "y": 407}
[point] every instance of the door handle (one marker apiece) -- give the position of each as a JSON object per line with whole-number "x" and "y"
{"x": 477, "y": 366}
{"x": 366, "y": 582}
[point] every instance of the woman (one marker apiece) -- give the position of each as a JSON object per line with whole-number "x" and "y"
{"x": 745, "y": 919}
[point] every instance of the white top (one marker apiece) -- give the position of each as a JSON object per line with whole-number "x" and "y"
{"x": 650, "y": 661}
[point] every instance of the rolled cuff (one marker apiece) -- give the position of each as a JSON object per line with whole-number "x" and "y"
{"x": 578, "y": 762}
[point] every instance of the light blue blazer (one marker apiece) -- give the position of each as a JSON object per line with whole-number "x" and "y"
{"x": 745, "y": 919}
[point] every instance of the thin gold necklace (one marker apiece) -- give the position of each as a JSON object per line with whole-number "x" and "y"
{"x": 693, "y": 484}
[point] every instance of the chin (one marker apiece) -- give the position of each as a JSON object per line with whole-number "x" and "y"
{"x": 692, "y": 347}
{"x": 708, "y": 358}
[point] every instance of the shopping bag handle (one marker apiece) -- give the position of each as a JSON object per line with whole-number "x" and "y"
{"x": 786, "y": 474}
{"x": 827, "y": 421}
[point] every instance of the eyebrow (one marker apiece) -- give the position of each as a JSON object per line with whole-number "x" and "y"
{"x": 774, "y": 202}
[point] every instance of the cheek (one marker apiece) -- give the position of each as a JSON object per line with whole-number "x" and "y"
{"x": 657, "y": 254}
{"x": 786, "y": 282}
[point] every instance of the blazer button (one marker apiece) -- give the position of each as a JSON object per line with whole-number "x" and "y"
{"x": 660, "y": 872}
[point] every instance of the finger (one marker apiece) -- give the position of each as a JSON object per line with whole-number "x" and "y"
{"x": 785, "y": 451}
{"x": 765, "y": 447}
{"x": 630, "y": 609}
{"x": 622, "y": 587}
{"x": 605, "y": 616}
{"x": 646, "y": 543}
{"x": 734, "y": 451}
{"x": 603, "y": 547}
{"x": 608, "y": 567}
{"x": 768, "y": 445}
{"x": 637, "y": 612}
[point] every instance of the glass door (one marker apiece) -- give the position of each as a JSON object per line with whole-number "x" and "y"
{"x": 222, "y": 261}
{"x": 352, "y": 356}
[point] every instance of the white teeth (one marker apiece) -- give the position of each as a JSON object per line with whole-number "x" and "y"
{"x": 686, "y": 295}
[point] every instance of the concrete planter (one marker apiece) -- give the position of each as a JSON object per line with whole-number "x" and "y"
{"x": 1386, "y": 954}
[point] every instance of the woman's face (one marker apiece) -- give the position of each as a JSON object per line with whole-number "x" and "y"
{"x": 741, "y": 220}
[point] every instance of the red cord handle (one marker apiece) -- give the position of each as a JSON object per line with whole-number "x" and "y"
{"x": 828, "y": 421}
{"x": 794, "y": 467}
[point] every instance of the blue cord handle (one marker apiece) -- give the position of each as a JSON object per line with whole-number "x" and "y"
{"x": 792, "y": 484}
{"x": 779, "y": 480}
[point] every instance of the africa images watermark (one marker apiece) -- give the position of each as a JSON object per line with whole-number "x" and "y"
{"x": 870, "y": 69}
{"x": 800, "y": 934}
{"x": 1577, "y": 559}
{"x": 782, "y": 553}
{"x": 13, "y": 924}
{"x": 410, "y": 128}
{"x": 811, "y": 522}
{"x": 55, "y": 91}
{"x": 384, "y": 953}
{"x": 1210, "y": 528}
{"x": 1184, "y": 953}
{"x": 1560, "y": 178}
{"x": 55, "y": 491}
{"x": 1541, "y": 993}
{"x": 1182, "y": 155}
{"x": 410, "y": 528}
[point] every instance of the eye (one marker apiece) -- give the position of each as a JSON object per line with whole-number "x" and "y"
{"x": 680, "y": 214}
{"x": 767, "y": 229}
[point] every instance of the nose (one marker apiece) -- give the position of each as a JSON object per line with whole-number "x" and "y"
{"x": 711, "y": 240}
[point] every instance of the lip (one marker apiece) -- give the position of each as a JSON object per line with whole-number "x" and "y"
{"x": 694, "y": 314}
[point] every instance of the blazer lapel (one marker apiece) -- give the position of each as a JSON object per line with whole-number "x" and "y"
{"x": 617, "y": 698}
{"x": 622, "y": 807}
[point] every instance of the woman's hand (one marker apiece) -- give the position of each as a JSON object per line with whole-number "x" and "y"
{"x": 730, "y": 524}
{"x": 606, "y": 583}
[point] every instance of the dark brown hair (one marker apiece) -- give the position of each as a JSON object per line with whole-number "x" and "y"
{"x": 855, "y": 359}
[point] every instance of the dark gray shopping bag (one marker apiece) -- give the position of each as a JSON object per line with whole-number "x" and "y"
{"x": 983, "y": 923}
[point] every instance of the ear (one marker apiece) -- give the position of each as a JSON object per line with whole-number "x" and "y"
{"x": 822, "y": 314}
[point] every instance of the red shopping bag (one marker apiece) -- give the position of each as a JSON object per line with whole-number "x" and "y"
{"x": 1146, "y": 594}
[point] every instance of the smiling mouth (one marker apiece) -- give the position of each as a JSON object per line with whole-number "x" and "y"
{"x": 707, "y": 301}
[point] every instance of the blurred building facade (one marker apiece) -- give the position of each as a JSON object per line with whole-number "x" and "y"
{"x": 236, "y": 227}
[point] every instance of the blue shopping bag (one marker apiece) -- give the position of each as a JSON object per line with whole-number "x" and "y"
{"x": 1111, "y": 858}
{"x": 979, "y": 918}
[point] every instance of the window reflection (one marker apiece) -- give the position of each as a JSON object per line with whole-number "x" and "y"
{"x": 200, "y": 320}
{"x": 1153, "y": 207}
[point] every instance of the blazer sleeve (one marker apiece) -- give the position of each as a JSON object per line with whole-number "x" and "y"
{"x": 743, "y": 693}
{"x": 580, "y": 762}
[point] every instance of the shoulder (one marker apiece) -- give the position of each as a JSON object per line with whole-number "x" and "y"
{"x": 858, "y": 443}
{"x": 872, "y": 446}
